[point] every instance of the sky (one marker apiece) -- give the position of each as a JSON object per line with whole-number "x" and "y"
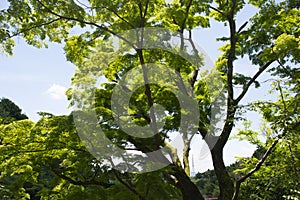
{"x": 36, "y": 80}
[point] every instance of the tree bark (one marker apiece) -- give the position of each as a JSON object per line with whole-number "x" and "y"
{"x": 226, "y": 185}
{"x": 188, "y": 189}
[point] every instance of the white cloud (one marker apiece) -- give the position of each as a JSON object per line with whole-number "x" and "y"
{"x": 57, "y": 91}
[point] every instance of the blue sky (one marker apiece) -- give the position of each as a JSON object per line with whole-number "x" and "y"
{"x": 36, "y": 79}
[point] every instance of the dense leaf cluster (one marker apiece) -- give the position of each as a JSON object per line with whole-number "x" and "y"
{"x": 48, "y": 159}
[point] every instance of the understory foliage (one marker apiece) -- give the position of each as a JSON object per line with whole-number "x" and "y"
{"x": 48, "y": 159}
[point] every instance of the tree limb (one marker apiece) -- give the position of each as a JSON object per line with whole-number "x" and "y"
{"x": 120, "y": 17}
{"x": 83, "y": 183}
{"x": 253, "y": 79}
{"x": 127, "y": 185}
{"x": 104, "y": 28}
{"x": 242, "y": 27}
{"x": 256, "y": 168}
{"x": 33, "y": 27}
{"x": 186, "y": 15}
{"x": 261, "y": 161}
{"x": 217, "y": 10}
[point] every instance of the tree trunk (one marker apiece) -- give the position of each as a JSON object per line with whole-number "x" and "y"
{"x": 226, "y": 185}
{"x": 188, "y": 189}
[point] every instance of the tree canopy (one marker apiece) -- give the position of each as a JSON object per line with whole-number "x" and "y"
{"x": 9, "y": 111}
{"x": 155, "y": 85}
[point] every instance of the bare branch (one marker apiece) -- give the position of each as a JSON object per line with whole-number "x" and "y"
{"x": 253, "y": 79}
{"x": 217, "y": 10}
{"x": 242, "y": 27}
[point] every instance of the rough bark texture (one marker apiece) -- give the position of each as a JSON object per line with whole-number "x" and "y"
{"x": 188, "y": 189}
{"x": 225, "y": 182}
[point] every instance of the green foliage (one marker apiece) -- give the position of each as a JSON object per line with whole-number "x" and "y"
{"x": 207, "y": 183}
{"x": 278, "y": 178}
{"x": 9, "y": 111}
{"x": 48, "y": 160}
{"x": 32, "y": 154}
{"x": 280, "y": 42}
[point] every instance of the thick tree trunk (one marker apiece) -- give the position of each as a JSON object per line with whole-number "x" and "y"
{"x": 226, "y": 185}
{"x": 188, "y": 189}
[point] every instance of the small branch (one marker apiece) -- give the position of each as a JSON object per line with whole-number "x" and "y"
{"x": 87, "y": 7}
{"x": 33, "y": 27}
{"x": 173, "y": 154}
{"x": 281, "y": 65}
{"x": 146, "y": 8}
{"x": 253, "y": 79}
{"x": 186, "y": 16}
{"x": 142, "y": 25}
{"x": 104, "y": 28}
{"x": 127, "y": 185}
{"x": 242, "y": 27}
{"x": 256, "y": 168}
{"x": 282, "y": 98}
{"x": 196, "y": 71}
{"x": 120, "y": 17}
{"x": 217, "y": 10}
{"x": 261, "y": 161}
{"x": 83, "y": 183}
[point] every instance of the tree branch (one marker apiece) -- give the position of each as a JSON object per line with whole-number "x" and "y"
{"x": 242, "y": 27}
{"x": 120, "y": 17}
{"x": 33, "y": 27}
{"x": 253, "y": 79}
{"x": 186, "y": 15}
{"x": 104, "y": 28}
{"x": 256, "y": 168}
{"x": 146, "y": 8}
{"x": 193, "y": 79}
{"x": 127, "y": 185}
{"x": 83, "y": 183}
{"x": 217, "y": 10}
{"x": 231, "y": 104}
{"x": 261, "y": 161}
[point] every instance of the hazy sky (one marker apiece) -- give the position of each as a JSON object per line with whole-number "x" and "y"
{"x": 36, "y": 79}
